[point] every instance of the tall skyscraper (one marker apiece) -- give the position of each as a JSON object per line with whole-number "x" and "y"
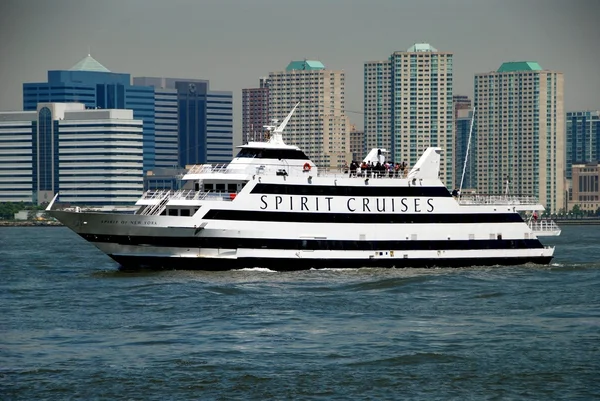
{"x": 520, "y": 137}
{"x": 583, "y": 138}
{"x": 91, "y": 157}
{"x": 92, "y": 84}
{"x": 319, "y": 126}
{"x": 412, "y": 90}
{"x": 255, "y": 112}
{"x": 462, "y": 130}
{"x": 193, "y": 124}
{"x": 461, "y": 140}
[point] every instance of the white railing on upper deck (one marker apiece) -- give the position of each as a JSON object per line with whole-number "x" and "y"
{"x": 287, "y": 170}
{"x": 513, "y": 200}
{"x": 188, "y": 194}
{"x": 211, "y": 169}
{"x": 544, "y": 227}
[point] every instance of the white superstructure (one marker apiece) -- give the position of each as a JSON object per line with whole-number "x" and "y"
{"x": 272, "y": 207}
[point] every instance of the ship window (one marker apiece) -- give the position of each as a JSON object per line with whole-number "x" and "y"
{"x": 173, "y": 212}
{"x": 184, "y": 212}
{"x": 291, "y": 154}
{"x": 220, "y": 187}
{"x": 231, "y": 187}
{"x": 208, "y": 187}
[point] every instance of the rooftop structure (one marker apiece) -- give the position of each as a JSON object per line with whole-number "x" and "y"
{"x": 514, "y": 66}
{"x": 305, "y": 65}
{"x": 89, "y": 63}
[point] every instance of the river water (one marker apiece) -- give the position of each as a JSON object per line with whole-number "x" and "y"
{"x": 73, "y": 327}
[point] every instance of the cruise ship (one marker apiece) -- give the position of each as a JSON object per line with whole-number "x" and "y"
{"x": 272, "y": 207}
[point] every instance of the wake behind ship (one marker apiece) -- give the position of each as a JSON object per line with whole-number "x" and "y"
{"x": 272, "y": 207}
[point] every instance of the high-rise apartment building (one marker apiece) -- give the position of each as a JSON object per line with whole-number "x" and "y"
{"x": 193, "y": 124}
{"x": 92, "y": 84}
{"x": 255, "y": 112}
{"x": 583, "y": 138}
{"x": 520, "y": 139}
{"x": 319, "y": 126}
{"x": 378, "y": 104}
{"x": 408, "y": 105}
{"x": 91, "y": 157}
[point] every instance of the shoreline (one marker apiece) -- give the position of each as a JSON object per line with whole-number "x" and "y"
{"x": 28, "y": 223}
{"x": 575, "y": 222}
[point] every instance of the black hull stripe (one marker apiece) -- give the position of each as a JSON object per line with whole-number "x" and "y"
{"x": 209, "y": 264}
{"x": 315, "y": 244}
{"x": 363, "y": 191}
{"x": 376, "y": 218}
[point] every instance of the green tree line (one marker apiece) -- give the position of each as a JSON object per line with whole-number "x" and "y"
{"x": 8, "y": 210}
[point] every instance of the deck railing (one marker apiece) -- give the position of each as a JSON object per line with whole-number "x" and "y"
{"x": 513, "y": 200}
{"x": 287, "y": 170}
{"x": 544, "y": 226}
{"x": 188, "y": 194}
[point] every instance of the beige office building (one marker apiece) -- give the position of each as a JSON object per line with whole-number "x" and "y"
{"x": 585, "y": 191}
{"x": 408, "y": 105}
{"x": 319, "y": 126}
{"x": 520, "y": 132}
{"x": 357, "y": 143}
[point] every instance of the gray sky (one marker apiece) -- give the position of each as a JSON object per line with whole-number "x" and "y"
{"x": 234, "y": 42}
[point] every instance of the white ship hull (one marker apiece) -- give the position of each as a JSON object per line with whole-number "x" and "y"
{"x": 269, "y": 230}
{"x": 271, "y": 207}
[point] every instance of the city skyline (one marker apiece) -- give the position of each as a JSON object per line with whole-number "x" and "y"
{"x": 233, "y": 43}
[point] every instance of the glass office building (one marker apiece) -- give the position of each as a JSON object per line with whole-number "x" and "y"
{"x": 92, "y": 84}
{"x": 193, "y": 124}
{"x": 583, "y": 138}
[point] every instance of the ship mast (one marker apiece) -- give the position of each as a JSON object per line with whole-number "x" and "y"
{"x": 276, "y": 136}
{"x": 467, "y": 153}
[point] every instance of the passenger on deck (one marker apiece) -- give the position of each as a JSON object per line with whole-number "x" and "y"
{"x": 363, "y": 169}
{"x": 353, "y": 168}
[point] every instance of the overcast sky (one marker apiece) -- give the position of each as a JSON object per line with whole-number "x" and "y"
{"x": 234, "y": 42}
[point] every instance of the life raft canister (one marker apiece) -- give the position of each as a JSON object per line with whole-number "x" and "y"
{"x": 306, "y": 167}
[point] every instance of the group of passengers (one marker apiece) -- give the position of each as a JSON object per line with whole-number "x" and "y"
{"x": 378, "y": 170}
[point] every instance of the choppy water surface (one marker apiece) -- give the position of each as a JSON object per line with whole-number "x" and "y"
{"x": 73, "y": 327}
